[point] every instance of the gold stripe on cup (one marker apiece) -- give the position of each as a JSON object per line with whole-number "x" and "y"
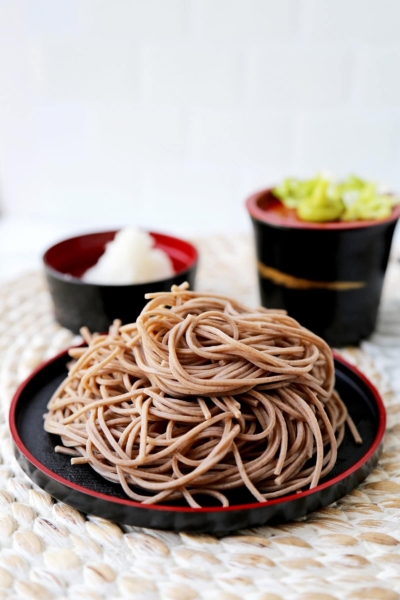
{"x": 298, "y": 283}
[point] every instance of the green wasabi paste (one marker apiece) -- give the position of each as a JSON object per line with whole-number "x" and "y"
{"x": 320, "y": 206}
{"x": 322, "y": 199}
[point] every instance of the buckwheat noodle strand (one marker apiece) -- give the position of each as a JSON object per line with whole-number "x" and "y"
{"x": 200, "y": 396}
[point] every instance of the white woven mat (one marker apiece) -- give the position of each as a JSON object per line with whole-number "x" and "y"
{"x": 49, "y": 550}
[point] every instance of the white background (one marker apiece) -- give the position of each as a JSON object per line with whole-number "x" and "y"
{"x": 168, "y": 113}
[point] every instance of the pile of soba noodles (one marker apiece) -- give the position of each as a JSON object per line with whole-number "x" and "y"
{"x": 200, "y": 396}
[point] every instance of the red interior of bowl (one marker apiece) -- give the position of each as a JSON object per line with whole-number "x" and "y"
{"x": 266, "y": 207}
{"x": 75, "y": 255}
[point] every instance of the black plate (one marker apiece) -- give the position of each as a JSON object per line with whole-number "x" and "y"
{"x": 87, "y": 491}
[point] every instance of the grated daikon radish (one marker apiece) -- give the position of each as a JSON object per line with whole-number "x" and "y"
{"x": 130, "y": 258}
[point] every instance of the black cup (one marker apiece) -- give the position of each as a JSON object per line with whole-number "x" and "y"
{"x": 328, "y": 276}
{"x": 78, "y": 303}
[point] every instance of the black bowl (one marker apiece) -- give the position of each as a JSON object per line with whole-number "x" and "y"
{"x": 77, "y": 303}
{"x": 328, "y": 276}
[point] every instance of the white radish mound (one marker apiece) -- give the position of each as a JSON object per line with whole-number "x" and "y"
{"x": 130, "y": 258}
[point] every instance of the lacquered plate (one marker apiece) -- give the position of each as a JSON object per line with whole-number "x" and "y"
{"x": 84, "y": 489}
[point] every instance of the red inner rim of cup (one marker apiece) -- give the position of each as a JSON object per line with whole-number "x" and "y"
{"x": 267, "y": 208}
{"x": 73, "y": 256}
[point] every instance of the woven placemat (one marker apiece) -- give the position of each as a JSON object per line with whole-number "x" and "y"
{"x": 49, "y": 550}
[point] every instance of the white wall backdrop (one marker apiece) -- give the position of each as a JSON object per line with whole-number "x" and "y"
{"x": 167, "y": 113}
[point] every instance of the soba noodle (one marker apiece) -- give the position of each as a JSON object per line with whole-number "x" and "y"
{"x": 200, "y": 396}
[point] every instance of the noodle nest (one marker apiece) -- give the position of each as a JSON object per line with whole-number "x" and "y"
{"x": 200, "y": 396}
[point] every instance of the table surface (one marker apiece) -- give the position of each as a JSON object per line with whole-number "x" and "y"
{"x": 49, "y": 550}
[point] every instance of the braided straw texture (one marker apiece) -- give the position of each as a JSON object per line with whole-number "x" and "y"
{"x": 49, "y": 550}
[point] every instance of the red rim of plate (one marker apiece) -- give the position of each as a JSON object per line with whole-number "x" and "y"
{"x": 272, "y": 218}
{"x": 296, "y": 496}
